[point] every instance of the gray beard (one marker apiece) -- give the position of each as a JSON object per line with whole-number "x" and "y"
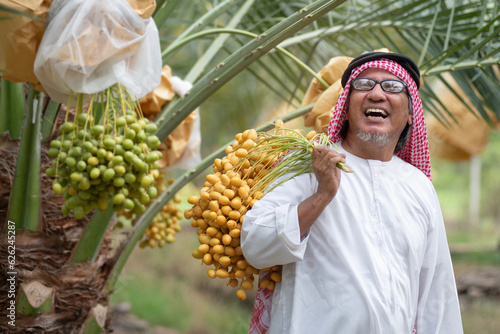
{"x": 375, "y": 137}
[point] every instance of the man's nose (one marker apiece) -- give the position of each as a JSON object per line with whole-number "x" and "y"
{"x": 377, "y": 93}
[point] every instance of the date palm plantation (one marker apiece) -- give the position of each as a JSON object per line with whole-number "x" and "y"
{"x": 67, "y": 268}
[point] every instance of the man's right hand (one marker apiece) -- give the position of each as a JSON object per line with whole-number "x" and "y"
{"x": 325, "y": 168}
{"x": 328, "y": 176}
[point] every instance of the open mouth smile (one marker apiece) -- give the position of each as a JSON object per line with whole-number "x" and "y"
{"x": 376, "y": 113}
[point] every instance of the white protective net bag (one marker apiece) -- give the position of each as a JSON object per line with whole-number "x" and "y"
{"x": 89, "y": 45}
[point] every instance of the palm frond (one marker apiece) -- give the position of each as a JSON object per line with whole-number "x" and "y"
{"x": 238, "y": 61}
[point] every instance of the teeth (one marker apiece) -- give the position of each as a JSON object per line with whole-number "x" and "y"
{"x": 376, "y": 113}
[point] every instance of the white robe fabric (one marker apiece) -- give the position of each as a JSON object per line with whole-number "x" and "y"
{"x": 376, "y": 260}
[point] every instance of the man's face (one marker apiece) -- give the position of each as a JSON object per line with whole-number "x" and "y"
{"x": 376, "y": 114}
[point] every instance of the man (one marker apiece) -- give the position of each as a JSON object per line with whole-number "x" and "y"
{"x": 364, "y": 252}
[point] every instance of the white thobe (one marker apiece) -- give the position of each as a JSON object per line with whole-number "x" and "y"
{"x": 376, "y": 261}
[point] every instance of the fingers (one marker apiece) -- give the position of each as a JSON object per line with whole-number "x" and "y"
{"x": 325, "y": 161}
{"x": 327, "y": 174}
{"x": 326, "y": 157}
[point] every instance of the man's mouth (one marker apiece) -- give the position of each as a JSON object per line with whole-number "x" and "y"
{"x": 376, "y": 113}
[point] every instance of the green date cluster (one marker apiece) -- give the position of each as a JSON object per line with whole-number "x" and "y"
{"x": 113, "y": 161}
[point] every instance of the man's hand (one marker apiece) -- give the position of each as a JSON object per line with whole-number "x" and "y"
{"x": 328, "y": 175}
{"x": 326, "y": 171}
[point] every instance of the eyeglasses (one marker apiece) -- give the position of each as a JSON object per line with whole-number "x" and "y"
{"x": 389, "y": 86}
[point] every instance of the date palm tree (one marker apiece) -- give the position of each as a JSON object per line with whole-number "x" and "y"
{"x": 65, "y": 270}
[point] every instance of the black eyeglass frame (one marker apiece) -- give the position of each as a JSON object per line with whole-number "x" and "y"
{"x": 353, "y": 83}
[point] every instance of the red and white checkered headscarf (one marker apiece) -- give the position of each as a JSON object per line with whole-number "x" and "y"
{"x": 261, "y": 316}
{"x": 415, "y": 152}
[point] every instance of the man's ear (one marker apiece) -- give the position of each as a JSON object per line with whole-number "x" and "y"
{"x": 346, "y": 111}
{"x": 346, "y": 106}
{"x": 410, "y": 111}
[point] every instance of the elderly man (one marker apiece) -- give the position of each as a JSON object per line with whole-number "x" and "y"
{"x": 364, "y": 252}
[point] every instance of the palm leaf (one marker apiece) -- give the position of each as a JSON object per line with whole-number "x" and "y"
{"x": 238, "y": 61}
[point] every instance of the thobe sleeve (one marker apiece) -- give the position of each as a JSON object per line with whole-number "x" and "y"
{"x": 438, "y": 310}
{"x": 270, "y": 231}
